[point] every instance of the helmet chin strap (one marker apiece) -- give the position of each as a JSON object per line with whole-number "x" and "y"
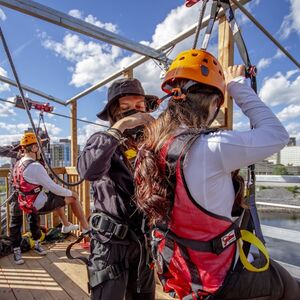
{"x": 215, "y": 116}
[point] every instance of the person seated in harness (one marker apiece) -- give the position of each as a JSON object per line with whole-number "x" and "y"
{"x": 39, "y": 194}
{"x": 16, "y": 216}
{"x": 118, "y": 262}
{"x": 184, "y": 185}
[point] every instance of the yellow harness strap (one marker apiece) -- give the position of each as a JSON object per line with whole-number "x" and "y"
{"x": 130, "y": 153}
{"x": 249, "y": 237}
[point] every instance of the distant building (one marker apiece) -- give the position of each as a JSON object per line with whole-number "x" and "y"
{"x": 292, "y": 142}
{"x": 290, "y": 156}
{"x": 60, "y": 153}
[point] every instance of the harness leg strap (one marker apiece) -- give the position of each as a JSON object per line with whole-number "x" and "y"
{"x": 96, "y": 277}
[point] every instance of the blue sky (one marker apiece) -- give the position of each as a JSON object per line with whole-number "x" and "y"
{"x": 62, "y": 63}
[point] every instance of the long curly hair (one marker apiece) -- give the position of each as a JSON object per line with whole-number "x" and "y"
{"x": 154, "y": 194}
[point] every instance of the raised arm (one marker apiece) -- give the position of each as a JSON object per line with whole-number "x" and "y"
{"x": 268, "y": 136}
{"x": 95, "y": 159}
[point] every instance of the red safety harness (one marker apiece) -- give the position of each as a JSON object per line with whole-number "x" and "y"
{"x": 195, "y": 250}
{"x": 27, "y": 192}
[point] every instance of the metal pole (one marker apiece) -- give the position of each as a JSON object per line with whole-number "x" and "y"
{"x": 259, "y": 26}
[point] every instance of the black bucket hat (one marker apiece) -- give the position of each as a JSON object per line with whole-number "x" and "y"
{"x": 123, "y": 87}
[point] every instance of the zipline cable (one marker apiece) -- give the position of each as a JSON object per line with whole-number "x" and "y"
{"x": 202, "y": 11}
{"x": 250, "y": 73}
{"x": 63, "y": 116}
{"x": 29, "y": 115}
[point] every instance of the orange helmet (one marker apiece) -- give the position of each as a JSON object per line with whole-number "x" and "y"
{"x": 198, "y": 66}
{"x": 28, "y": 138}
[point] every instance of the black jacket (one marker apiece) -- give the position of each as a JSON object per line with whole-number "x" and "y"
{"x": 102, "y": 162}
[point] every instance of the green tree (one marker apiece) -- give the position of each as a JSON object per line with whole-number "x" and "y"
{"x": 279, "y": 170}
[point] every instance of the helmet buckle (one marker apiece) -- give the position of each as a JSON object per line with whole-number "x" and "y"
{"x": 178, "y": 95}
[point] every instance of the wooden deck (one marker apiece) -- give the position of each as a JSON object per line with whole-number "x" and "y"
{"x": 50, "y": 277}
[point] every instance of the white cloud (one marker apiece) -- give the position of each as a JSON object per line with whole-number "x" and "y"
{"x": 291, "y": 22}
{"x": 293, "y": 129}
{"x": 281, "y": 89}
{"x": 4, "y": 86}
{"x": 86, "y": 131}
{"x": 2, "y": 15}
{"x": 18, "y": 129}
{"x": 76, "y": 13}
{"x": 178, "y": 20}
{"x": 290, "y": 112}
{"x": 7, "y": 109}
{"x": 264, "y": 63}
{"x": 92, "y": 61}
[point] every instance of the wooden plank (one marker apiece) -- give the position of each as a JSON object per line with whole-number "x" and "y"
{"x": 37, "y": 280}
{"x": 74, "y": 282}
{"x": 7, "y": 208}
{"x": 71, "y": 170}
{"x": 6, "y": 292}
{"x": 4, "y": 172}
{"x": 58, "y": 276}
{"x": 225, "y": 53}
{"x": 75, "y": 269}
{"x": 78, "y": 251}
{"x": 20, "y": 291}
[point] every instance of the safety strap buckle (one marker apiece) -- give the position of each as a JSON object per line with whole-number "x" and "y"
{"x": 107, "y": 226}
{"x": 114, "y": 271}
{"x": 121, "y": 231}
{"x": 178, "y": 94}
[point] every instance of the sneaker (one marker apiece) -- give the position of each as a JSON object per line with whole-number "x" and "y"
{"x": 18, "y": 256}
{"x": 38, "y": 248}
{"x": 69, "y": 228}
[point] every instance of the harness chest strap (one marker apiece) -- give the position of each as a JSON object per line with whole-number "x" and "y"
{"x": 217, "y": 245}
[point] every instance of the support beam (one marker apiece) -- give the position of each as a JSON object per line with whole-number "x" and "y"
{"x": 179, "y": 38}
{"x": 266, "y": 33}
{"x": 74, "y": 148}
{"x": 225, "y": 53}
{"x": 128, "y": 73}
{"x": 64, "y": 20}
{"x": 32, "y": 90}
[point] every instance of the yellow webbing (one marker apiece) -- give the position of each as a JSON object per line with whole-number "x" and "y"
{"x": 249, "y": 237}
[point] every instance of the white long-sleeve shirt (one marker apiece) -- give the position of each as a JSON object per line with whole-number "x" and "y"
{"x": 209, "y": 162}
{"x": 35, "y": 173}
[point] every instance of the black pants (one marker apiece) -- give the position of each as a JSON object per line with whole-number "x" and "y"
{"x": 125, "y": 285}
{"x": 16, "y": 222}
{"x": 274, "y": 284}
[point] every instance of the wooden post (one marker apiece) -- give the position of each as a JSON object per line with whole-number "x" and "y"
{"x": 86, "y": 198}
{"x": 7, "y": 207}
{"x": 128, "y": 73}
{"x": 225, "y": 49}
{"x": 74, "y": 148}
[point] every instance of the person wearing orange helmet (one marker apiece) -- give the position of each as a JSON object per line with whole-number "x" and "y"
{"x": 39, "y": 194}
{"x": 187, "y": 186}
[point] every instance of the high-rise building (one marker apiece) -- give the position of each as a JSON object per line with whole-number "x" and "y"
{"x": 61, "y": 153}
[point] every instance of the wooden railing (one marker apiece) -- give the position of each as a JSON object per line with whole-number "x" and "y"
{"x": 69, "y": 174}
